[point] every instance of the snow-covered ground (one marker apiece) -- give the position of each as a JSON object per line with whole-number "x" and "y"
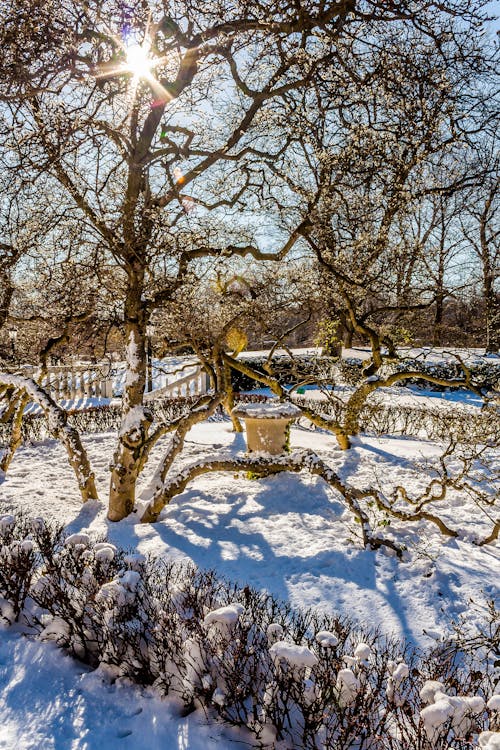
{"x": 413, "y": 396}
{"x": 427, "y": 353}
{"x": 49, "y": 701}
{"x": 288, "y": 534}
{"x": 169, "y": 370}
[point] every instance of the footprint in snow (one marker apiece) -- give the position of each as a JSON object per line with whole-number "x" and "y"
{"x": 123, "y": 733}
{"x": 135, "y": 712}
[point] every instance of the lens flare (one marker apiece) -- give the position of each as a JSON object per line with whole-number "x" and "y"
{"x": 138, "y": 61}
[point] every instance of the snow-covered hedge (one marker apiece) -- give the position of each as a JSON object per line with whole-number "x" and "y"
{"x": 434, "y": 424}
{"x": 294, "y": 679}
{"x": 103, "y": 418}
{"x": 378, "y": 418}
{"x": 485, "y": 374}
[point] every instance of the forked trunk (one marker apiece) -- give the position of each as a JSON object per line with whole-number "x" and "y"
{"x": 229, "y": 398}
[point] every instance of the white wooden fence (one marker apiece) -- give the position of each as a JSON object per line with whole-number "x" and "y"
{"x": 78, "y": 381}
{"x": 192, "y": 384}
{"x": 85, "y": 381}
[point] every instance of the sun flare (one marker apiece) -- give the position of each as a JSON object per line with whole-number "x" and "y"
{"x": 139, "y": 62}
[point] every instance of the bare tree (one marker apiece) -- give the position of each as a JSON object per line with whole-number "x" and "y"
{"x": 391, "y": 146}
{"x": 154, "y": 121}
{"x": 167, "y": 126}
{"x": 481, "y": 227}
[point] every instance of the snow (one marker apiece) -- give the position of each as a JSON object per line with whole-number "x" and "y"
{"x": 288, "y": 534}
{"x": 76, "y": 539}
{"x": 51, "y": 701}
{"x": 400, "y": 672}
{"x": 274, "y": 632}
{"x": 224, "y": 615}
{"x": 6, "y": 522}
{"x": 104, "y": 552}
{"x": 347, "y": 686}
{"x": 489, "y": 740}
{"x": 362, "y": 652}
{"x": 132, "y": 422}
{"x": 435, "y": 715}
{"x": 458, "y": 710}
{"x": 326, "y": 639}
{"x": 296, "y": 656}
{"x": 75, "y": 404}
{"x": 434, "y": 354}
{"x": 413, "y": 396}
{"x": 269, "y": 410}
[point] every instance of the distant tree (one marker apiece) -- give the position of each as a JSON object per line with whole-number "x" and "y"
{"x": 481, "y": 227}
{"x": 385, "y": 154}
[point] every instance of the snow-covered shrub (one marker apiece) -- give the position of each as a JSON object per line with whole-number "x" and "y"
{"x": 165, "y": 613}
{"x": 72, "y": 571}
{"x": 294, "y": 679}
{"x": 398, "y": 419}
{"x": 104, "y": 418}
{"x": 17, "y": 565}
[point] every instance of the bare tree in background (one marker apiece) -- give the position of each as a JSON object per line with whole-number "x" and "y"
{"x": 481, "y": 227}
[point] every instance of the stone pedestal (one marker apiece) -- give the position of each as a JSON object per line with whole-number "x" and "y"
{"x": 267, "y": 426}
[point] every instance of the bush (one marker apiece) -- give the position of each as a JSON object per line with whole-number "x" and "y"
{"x": 104, "y": 418}
{"x": 433, "y": 424}
{"x": 485, "y": 375}
{"x": 302, "y": 679}
{"x": 288, "y": 371}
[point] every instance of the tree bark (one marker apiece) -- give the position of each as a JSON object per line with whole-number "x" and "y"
{"x": 15, "y": 439}
{"x": 136, "y": 420}
{"x": 492, "y": 303}
{"x": 264, "y": 466}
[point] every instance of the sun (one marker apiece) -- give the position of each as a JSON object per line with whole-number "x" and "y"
{"x": 138, "y": 61}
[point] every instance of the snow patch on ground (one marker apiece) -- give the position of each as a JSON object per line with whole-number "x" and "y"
{"x": 48, "y": 700}
{"x": 288, "y": 534}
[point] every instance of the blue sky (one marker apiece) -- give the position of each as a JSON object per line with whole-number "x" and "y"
{"x": 494, "y": 9}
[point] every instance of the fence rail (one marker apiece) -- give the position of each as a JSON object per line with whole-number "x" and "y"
{"x": 191, "y": 384}
{"x": 71, "y": 383}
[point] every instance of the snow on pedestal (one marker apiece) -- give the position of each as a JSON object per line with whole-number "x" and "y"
{"x": 267, "y": 425}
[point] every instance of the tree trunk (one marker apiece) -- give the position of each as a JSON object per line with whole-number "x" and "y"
{"x": 353, "y": 410}
{"x": 347, "y": 331}
{"x": 57, "y": 422}
{"x": 229, "y": 398}
{"x": 489, "y": 258}
{"x": 6, "y": 291}
{"x": 492, "y": 303}
{"x": 438, "y": 321}
{"x": 16, "y": 437}
{"x": 440, "y": 293}
{"x": 136, "y": 420}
